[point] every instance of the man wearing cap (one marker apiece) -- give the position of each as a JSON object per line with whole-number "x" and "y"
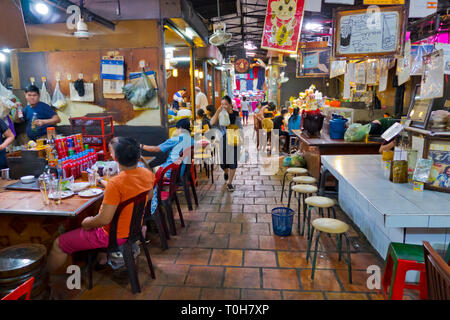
{"x": 201, "y": 100}
{"x": 180, "y": 141}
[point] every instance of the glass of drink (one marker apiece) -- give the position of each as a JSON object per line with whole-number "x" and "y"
{"x": 92, "y": 177}
{"x": 55, "y": 190}
{"x": 44, "y": 187}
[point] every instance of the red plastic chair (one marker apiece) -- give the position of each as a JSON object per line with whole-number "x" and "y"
{"x": 20, "y": 291}
{"x": 168, "y": 197}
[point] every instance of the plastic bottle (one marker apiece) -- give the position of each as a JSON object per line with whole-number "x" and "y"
{"x": 33, "y": 125}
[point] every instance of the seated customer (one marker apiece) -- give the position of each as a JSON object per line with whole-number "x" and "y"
{"x": 278, "y": 122}
{"x": 379, "y": 126}
{"x": 295, "y": 121}
{"x": 94, "y": 231}
{"x": 202, "y": 120}
{"x": 184, "y": 111}
{"x": 180, "y": 141}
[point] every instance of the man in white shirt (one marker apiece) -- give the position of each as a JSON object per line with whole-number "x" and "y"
{"x": 201, "y": 101}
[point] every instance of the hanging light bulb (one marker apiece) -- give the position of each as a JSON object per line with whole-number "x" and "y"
{"x": 167, "y": 64}
{"x": 200, "y": 74}
{"x": 196, "y": 73}
{"x": 175, "y": 73}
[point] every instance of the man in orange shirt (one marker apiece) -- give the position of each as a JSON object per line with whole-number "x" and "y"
{"x": 93, "y": 234}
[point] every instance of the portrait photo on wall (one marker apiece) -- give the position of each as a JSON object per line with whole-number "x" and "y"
{"x": 313, "y": 62}
{"x": 440, "y": 171}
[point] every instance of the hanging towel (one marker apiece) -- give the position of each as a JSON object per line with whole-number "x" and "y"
{"x": 261, "y": 78}
{"x": 238, "y": 84}
{"x": 255, "y": 83}
{"x": 255, "y": 72}
{"x": 244, "y": 85}
{"x": 249, "y": 85}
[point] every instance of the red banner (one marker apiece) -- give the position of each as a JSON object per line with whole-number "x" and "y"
{"x": 283, "y": 25}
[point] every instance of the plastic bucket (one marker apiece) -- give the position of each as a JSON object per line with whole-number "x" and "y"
{"x": 282, "y": 220}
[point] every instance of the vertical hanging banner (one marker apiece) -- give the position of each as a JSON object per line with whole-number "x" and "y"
{"x": 283, "y": 25}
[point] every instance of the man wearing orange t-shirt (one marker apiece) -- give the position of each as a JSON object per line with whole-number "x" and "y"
{"x": 93, "y": 234}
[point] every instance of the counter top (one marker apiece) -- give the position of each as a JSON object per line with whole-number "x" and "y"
{"x": 325, "y": 140}
{"x": 364, "y": 180}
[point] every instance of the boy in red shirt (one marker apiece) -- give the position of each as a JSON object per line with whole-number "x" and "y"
{"x": 93, "y": 234}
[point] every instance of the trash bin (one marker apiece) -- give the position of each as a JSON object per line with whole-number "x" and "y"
{"x": 282, "y": 220}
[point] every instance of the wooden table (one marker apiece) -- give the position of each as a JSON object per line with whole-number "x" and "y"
{"x": 315, "y": 147}
{"x": 25, "y": 219}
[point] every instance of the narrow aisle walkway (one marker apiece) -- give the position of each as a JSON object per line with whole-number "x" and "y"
{"x": 228, "y": 251}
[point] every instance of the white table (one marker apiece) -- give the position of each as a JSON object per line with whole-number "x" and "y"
{"x": 388, "y": 212}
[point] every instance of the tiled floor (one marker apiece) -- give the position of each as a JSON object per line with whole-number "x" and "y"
{"x": 228, "y": 251}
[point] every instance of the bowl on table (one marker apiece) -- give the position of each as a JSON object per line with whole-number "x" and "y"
{"x": 27, "y": 179}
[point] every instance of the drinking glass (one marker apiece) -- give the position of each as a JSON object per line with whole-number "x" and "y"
{"x": 44, "y": 187}
{"x": 55, "y": 190}
{"x": 92, "y": 177}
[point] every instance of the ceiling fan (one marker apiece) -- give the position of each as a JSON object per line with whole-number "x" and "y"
{"x": 220, "y": 36}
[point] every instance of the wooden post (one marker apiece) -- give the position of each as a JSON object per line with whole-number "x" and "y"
{"x": 161, "y": 75}
{"x": 192, "y": 68}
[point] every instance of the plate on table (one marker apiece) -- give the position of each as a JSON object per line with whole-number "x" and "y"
{"x": 78, "y": 186}
{"x": 64, "y": 195}
{"x": 90, "y": 193}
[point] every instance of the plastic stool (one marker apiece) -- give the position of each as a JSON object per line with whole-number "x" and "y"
{"x": 321, "y": 203}
{"x": 295, "y": 172}
{"x": 303, "y": 191}
{"x": 299, "y": 180}
{"x": 330, "y": 226}
{"x": 401, "y": 258}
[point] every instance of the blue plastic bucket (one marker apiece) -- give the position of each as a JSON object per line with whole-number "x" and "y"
{"x": 282, "y": 220}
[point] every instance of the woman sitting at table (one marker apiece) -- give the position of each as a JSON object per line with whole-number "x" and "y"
{"x": 94, "y": 231}
{"x": 295, "y": 121}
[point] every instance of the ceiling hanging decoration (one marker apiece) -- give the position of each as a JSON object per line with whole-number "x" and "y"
{"x": 283, "y": 25}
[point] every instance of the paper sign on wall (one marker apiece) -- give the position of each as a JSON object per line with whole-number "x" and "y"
{"x": 313, "y": 5}
{"x": 422, "y": 8}
{"x": 446, "y": 48}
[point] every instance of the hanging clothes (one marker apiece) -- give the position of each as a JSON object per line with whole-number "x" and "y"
{"x": 255, "y": 72}
{"x": 244, "y": 85}
{"x": 250, "y": 74}
{"x": 238, "y": 84}
{"x": 249, "y": 85}
{"x": 255, "y": 83}
{"x": 261, "y": 78}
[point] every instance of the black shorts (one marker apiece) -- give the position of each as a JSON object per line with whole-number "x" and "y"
{"x": 230, "y": 152}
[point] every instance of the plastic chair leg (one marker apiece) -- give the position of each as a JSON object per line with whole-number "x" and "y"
{"x": 131, "y": 267}
{"x": 91, "y": 255}
{"x": 423, "y": 286}
{"x": 387, "y": 275}
{"x": 194, "y": 192}
{"x": 187, "y": 195}
{"x": 399, "y": 283}
{"x": 169, "y": 213}
{"x": 147, "y": 256}
{"x": 180, "y": 214}
{"x": 161, "y": 231}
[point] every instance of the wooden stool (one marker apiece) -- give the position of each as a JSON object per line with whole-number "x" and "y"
{"x": 293, "y": 171}
{"x": 321, "y": 203}
{"x": 20, "y": 263}
{"x": 303, "y": 191}
{"x": 300, "y": 180}
{"x": 330, "y": 226}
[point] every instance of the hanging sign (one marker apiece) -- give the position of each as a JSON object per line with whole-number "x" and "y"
{"x": 282, "y": 25}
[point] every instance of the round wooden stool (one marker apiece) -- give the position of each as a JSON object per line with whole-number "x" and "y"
{"x": 320, "y": 203}
{"x": 295, "y": 172}
{"x": 330, "y": 226}
{"x": 21, "y": 262}
{"x": 299, "y": 180}
{"x": 303, "y": 190}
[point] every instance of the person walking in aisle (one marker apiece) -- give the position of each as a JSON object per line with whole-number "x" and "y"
{"x": 245, "y": 110}
{"x": 227, "y": 118}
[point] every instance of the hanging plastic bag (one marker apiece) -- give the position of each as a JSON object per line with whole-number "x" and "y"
{"x": 44, "y": 95}
{"x": 140, "y": 92}
{"x": 5, "y": 106}
{"x": 404, "y": 65}
{"x": 58, "y": 100}
{"x": 432, "y": 85}
{"x": 417, "y": 53}
{"x": 356, "y": 132}
{"x": 5, "y": 93}
{"x": 224, "y": 118}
